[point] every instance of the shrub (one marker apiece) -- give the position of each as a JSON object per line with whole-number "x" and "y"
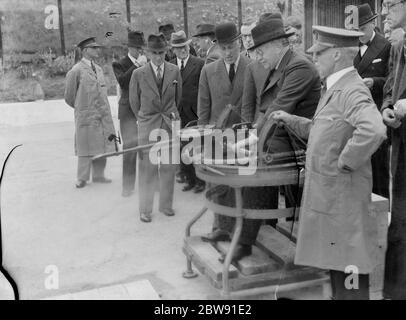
{"x": 59, "y": 66}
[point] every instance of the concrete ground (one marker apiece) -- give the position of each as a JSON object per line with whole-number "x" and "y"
{"x": 91, "y": 237}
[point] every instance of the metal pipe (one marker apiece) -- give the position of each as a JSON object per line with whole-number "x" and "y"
{"x": 234, "y": 241}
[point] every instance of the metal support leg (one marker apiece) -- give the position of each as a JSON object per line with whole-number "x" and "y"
{"x": 189, "y": 273}
{"x": 234, "y": 241}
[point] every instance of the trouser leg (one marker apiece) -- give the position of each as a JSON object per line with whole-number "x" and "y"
{"x": 344, "y": 288}
{"x": 395, "y": 262}
{"x": 148, "y": 175}
{"x": 84, "y": 167}
{"x": 380, "y": 170}
{"x": 166, "y": 186}
{"x": 98, "y": 167}
{"x": 129, "y": 133}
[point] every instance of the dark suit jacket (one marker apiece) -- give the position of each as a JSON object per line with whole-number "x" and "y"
{"x": 294, "y": 88}
{"x": 190, "y": 89}
{"x": 255, "y": 77}
{"x": 374, "y": 64}
{"x": 396, "y": 90}
{"x": 216, "y": 91}
{"x": 123, "y": 70}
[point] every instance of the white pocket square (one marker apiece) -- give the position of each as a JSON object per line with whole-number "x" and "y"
{"x": 377, "y": 60}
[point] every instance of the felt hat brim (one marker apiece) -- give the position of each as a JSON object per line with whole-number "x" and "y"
{"x": 257, "y": 45}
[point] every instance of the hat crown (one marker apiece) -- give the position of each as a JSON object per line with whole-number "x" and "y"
{"x": 157, "y": 42}
{"x": 365, "y": 14}
{"x": 226, "y": 32}
{"x": 204, "y": 29}
{"x": 89, "y": 42}
{"x": 136, "y": 39}
{"x": 166, "y": 28}
{"x": 268, "y": 29}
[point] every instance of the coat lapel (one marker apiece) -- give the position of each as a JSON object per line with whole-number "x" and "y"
{"x": 222, "y": 76}
{"x": 190, "y": 66}
{"x": 276, "y": 75}
{"x": 168, "y": 72}
{"x": 372, "y": 52}
{"x": 150, "y": 79}
{"x": 239, "y": 77}
{"x": 89, "y": 70}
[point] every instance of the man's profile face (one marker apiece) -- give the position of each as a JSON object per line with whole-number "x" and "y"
{"x": 135, "y": 52}
{"x": 230, "y": 51}
{"x": 247, "y": 41}
{"x": 181, "y": 52}
{"x": 268, "y": 55}
{"x": 395, "y": 12}
{"x": 157, "y": 57}
{"x": 204, "y": 43}
{"x": 368, "y": 30}
{"x": 93, "y": 52}
{"x": 324, "y": 62}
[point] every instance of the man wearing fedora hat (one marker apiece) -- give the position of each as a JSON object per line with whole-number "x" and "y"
{"x": 209, "y": 50}
{"x": 246, "y": 37}
{"x": 372, "y": 64}
{"x": 86, "y": 92}
{"x": 123, "y": 71}
{"x": 292, "y": 84}
{"x": 155, "y": 91}
{"x": 190, "y": 68}
{"x": 344, "y": 133}
{"x": 167, "y": 30}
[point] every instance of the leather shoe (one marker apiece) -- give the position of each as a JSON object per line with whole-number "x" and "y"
{"x": 145, "y": 217}
{"x": 240, "y": 252}
{"x": 127, "y": 193}
{"x": 181, "y": 179}
{"x": 218, "y": 235}
{"x": 102, "y": 180}
{"x": 188, "y": 187}
{"x": 80, "y": 184}
{"x": 199, "y": 188}
{"x": 168, "y": 212}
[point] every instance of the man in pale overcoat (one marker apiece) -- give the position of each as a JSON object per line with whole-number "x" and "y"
{"x": 155, "y": 91}
{"x": 86, "y": 92}
{"x": 335, "y": 221}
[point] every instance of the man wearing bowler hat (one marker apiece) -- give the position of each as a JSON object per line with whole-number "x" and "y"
{"x": 123, "y": 70}
{"x": 86, "y": 92}
{"x": 190, "y": 68}
{"x": 155, "y": 91}
{"x": 207, "y": 42}
{"x": 334, "y": 225}
{"x": 372, "y": 64}
{"x": 292, "y": 85}
{"x": 222, "y": 83}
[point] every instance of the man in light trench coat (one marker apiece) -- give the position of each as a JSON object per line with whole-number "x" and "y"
{"x": 86, "y": 92}
{"x": 344, "y": 133}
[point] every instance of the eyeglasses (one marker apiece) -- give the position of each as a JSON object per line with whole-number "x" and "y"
{"x": 386, "y": 7}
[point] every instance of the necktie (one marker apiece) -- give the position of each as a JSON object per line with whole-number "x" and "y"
{"x": 231, "y": 73}
{"x": 158, "y": 73}
{"x": 182, "y": 66}
{"x": 93, "y": 67}
{"x": 323, "y": 88}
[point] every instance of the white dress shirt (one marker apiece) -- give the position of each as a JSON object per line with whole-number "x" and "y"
{"x": 155, "y": 68}
{"x": 364, "y": 48}
{"x": 235, "y": 65}
{"x": 184, "y": 62}
{"x": 333, "y": 78}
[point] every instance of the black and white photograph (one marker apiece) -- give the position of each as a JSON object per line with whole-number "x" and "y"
{"x": 202, "y": 151}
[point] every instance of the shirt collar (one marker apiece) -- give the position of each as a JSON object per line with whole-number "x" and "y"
{"x": 235, "y": 63}
{"x": 156, "y": 67}
{"x": 283, "y": 53}
{"x": 333, "y": 78}
{"x": 87, "y": 61}
{"x": 133, "y": 60}
{"x": 184, "y": 61}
